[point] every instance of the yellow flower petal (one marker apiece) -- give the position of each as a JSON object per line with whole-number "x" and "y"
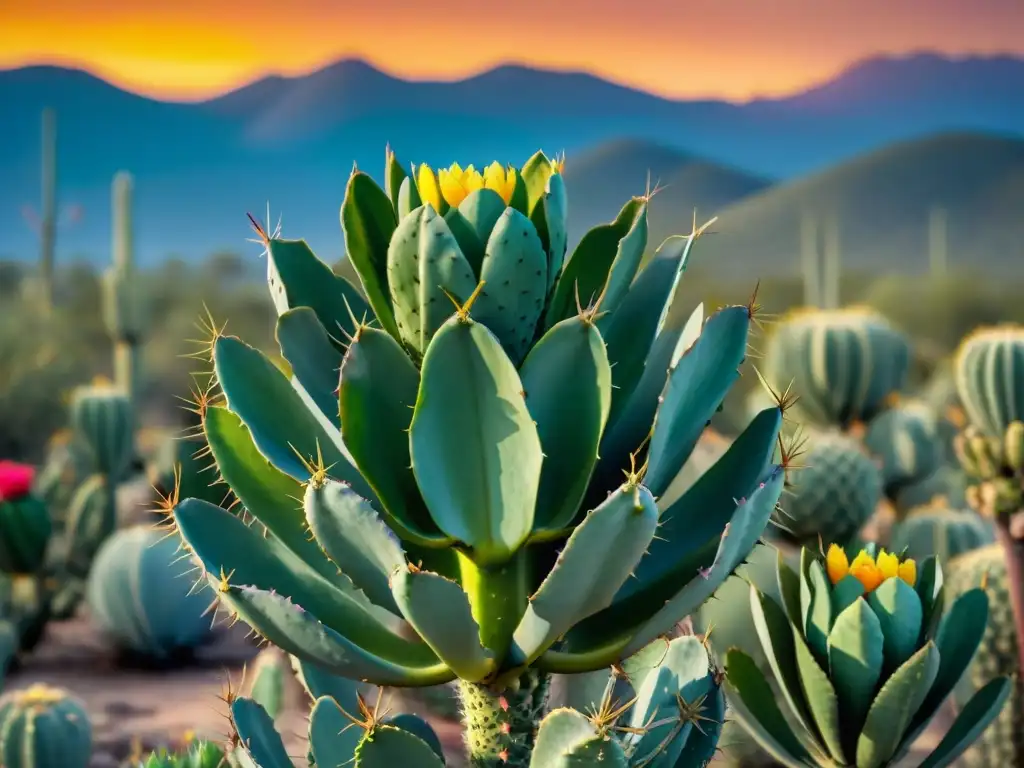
{"x": 908, "y": 572}
{"x": 888, "y": 564}
{"x": 451, "y": 187}
{"x": 865, "y": 571}
{"x": 837, "y": 563}
{"x": 494, "y": 176}
{"x": 427, "y": 186}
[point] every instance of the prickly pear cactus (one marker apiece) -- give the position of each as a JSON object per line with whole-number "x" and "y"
{"x": 139, "y": 594}
{"x": 25, "y": 524}
{"x": 834, "y": 493}
{"x": 43, "y": 727}
{"x": 940, "y": 531}
{"x": 183, "y": 466}
{"x": 498, "y": 439}
{"x": 1003, "y": 742}
{"x": 865, "y": 652}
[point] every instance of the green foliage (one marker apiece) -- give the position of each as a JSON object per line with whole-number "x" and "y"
{"x": 200, "y": 754}
{"x": 44, "y": 727}
{"x": 835, "y": 491}
{"x": 139, "y": 594}
{"x": 473, "y": 496}
{"x": 864, "y": 665}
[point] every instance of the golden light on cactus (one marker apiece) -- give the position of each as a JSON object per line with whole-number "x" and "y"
{"x": 868, "y": 570}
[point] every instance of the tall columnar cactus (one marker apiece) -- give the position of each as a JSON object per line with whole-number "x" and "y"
{"x": 48, "y": 211}
{"x": 865, "y": 653}
{"x": 25, "y": 524}
{"x": 844, "y": 363}
{"x": 989, "y": 371}
{"x": 1003, "y": 742}
{"x": 44, "y": 727}
{"x": 833, "y": 495}
{"x": 485, "y": 474}
{"x": 140, "y": 595}
{"x": 123, "y": 307}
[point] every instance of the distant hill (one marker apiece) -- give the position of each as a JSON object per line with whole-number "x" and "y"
{"x": 292, "y": 141}
{"x": 602, "y": 179}
{"x": 882, "y": 202}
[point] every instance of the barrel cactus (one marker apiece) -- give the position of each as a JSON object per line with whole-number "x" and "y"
{"x": 25, "y": 524}
{"x": 864, "y": 652}
{"x": 44, "y": 727}
{"x": 139, "y": 594}
{"x": 834, "y": 493}
{"x": 498, "y": 438}
{"x": 940, "y": 531}
{"x": 845, "y": 364}
{"x": 905, "y": 439}
{"x": 1003, "y": 742}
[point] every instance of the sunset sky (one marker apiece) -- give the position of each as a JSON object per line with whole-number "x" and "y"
{"x": 735, "y": 49}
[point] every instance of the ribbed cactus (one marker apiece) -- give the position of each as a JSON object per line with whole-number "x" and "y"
{"x": 44, "y": 727}
{"x": 139, "y": 595}
{"x": 103, "y": 416}
{"x": 905, "y": 439}
{"x": 1003, "y": 742}
{"x": 942, "y": 532}
{"x": 25, "y": 524}
{"x": 844, "y": 363}
{"x": 864, "y": 652}
{"x": 123, "y": 307}
{"x": 483, "y": 458}
{"x": 833, "y": 494}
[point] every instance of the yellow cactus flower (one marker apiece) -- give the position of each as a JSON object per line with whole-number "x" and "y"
{"x": 867, "y": 570}
{"x": 908, "y": 572}
{"x": 427, "y": 186}
{"x": 501, "y": 180}
{"x": 558, "y": 164}
{"x": 837, "y": 563}
{"x": 456, "y": 183}
{"x": 888, "y": 564}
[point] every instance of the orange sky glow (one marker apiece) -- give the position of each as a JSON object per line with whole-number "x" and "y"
{"x": 734, "y": 49}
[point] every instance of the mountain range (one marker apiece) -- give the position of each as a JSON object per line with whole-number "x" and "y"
{"x": 291, "y": 142}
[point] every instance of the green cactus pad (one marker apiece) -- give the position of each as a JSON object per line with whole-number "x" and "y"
{"x": 285, "y": 431}
{"x": 475, "y": 448}
{"x": 567, "y": 738}
{"x": 596, "y": 561}
{"x": 387, "y": 746}
{"x": 267, "y": 494}
{"x": 696, "y": 388}
{"x": 855, "y": 659}
{"x": 901, "y": 617}
{"x": 313, "y": 357}
{"x": 354, "y": 539}
{"x": 408, "y": 199}
{"x": 514, "y": 273}
{"x": 368, "y": 221}
{"x": 588, "y": 270}
{"x": 257, "y": 735}
{"x": 439, "y": 610}
{"x": 472, "y": 222}
{"x": 556, "y": 214}
{"x": 268, "y": 678}
{"x": 333, "y": 739}
{"x": 425, "y": 267}
{"x": 297, "y": 278}
{"x": 378, "y": 390}
{"x": 568, "y": 385}
{"x": 394, "y": 177}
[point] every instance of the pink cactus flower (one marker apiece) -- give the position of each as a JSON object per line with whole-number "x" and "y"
{"x": 15, "y": 480}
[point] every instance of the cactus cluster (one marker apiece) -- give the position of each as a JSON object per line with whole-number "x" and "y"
{"x": 940, "y": 531}
{"x": 497, "y": 440}
{"x": 864, "y": 653}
